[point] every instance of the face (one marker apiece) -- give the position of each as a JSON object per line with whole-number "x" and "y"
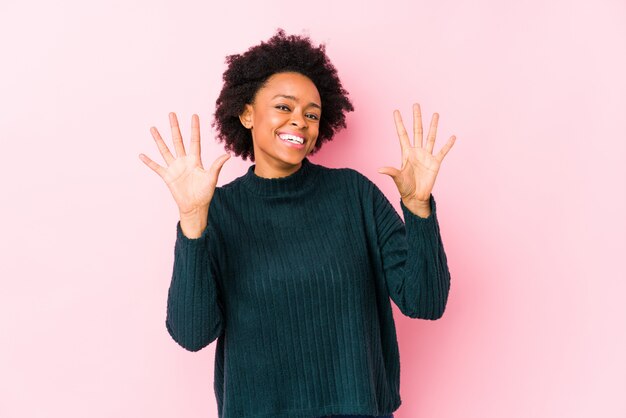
{"x": 285, "y": 111}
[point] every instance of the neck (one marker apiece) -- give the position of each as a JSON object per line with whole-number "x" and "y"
{"x": 271, "y": 171}
{"x": 296, "y": 183}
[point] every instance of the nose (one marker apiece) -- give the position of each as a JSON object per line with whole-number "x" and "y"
{"x": 298, "y": 120}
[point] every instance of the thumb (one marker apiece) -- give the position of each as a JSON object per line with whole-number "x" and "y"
{"x": 219, "y": 163}
{"x": 390, "y": 171}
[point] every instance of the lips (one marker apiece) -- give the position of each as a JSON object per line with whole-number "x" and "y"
{"x": 290, "y": 144}
{"x": 292, "y": 134}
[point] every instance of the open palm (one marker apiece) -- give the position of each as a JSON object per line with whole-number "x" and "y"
{"x": 190, "y": 184}
{"x": 416, "y": 178}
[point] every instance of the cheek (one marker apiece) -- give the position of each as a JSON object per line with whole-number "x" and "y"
{"x": 275, "y": 121}
{"x": 264, "y": 122}
{"x": 315, "y": 130}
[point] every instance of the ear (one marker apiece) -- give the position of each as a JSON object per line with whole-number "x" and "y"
{"x": 246, "y": 116}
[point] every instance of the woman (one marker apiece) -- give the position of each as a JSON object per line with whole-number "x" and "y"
{"x": 293, "y": 267}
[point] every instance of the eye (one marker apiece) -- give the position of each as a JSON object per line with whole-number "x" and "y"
{"x": 313, "y": 116}
{"x": 282, "y": 107}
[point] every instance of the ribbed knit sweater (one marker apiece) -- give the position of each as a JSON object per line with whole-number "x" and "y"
{"x": 293, "y": 276}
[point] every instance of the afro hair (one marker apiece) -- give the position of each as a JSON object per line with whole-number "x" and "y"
{"x": 248, "y": 72}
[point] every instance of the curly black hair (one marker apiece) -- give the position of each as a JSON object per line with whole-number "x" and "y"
{"x": 248, "y": 72}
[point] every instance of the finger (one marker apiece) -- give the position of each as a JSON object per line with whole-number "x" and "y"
{"x": 176, "y": 136}
{"x": 195, "y": 137}
{"x": 390, "y": 171}
{"x": 219, "y": 163}
{"x": 442, "y": 153}
{"x": 216, "y": 168}
{"x": 432, "y": 133}
{"x": 163, "y": 149}
{"x": 402, "y": 134}
{"x": 154, "y": 166}
{"x": 417, "y": 125}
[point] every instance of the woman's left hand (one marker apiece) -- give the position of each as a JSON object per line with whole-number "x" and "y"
{"x": 416, "y": 178}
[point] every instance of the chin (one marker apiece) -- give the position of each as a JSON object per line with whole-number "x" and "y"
{"x": 292, "y": 159}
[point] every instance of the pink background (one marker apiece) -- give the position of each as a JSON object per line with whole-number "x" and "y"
{"x": 531, "y": 198}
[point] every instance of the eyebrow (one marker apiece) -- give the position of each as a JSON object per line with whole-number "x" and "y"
{"x": 294, "y": 99}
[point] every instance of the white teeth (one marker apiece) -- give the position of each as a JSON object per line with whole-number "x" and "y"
{"x": 291, "y": 138}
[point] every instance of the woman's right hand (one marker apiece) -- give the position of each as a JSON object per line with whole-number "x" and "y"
{"x": 191, "y": 185}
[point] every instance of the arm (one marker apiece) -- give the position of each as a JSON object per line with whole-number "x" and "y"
{"x": 194, "y": 315}
{"x": 413, "y": 257}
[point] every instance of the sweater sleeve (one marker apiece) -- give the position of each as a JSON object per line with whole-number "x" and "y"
{"x": 413, "y": 258}
{"x": 194, "y": 314}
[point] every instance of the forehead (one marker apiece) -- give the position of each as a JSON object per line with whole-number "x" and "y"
{"x": 291, "y": 84}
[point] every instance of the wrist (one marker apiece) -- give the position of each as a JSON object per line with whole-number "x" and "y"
{"x": 195, "y": 213}
{"x": 193, "y": 223}
{"x": 418, "y": 207}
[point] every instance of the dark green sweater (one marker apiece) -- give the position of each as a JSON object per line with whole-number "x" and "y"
{"x": 293, "y": 276}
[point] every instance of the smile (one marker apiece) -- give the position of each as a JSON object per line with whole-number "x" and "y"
{"x": 291, "y": 137}
{"x": 292, "y": 140}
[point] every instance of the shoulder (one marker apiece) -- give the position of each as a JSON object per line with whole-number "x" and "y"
{"x": 346, "y": 175}
{"x": 224, "y": 200}
{"x": 364, "y": 184}
{"x": 356, "y": 185}
{"x": 228, "y": 189}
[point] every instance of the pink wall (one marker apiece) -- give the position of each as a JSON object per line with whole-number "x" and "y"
{"x": 531, "y": 198}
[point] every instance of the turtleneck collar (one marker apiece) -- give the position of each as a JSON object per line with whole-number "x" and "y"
{"x": 296, "y": 182}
